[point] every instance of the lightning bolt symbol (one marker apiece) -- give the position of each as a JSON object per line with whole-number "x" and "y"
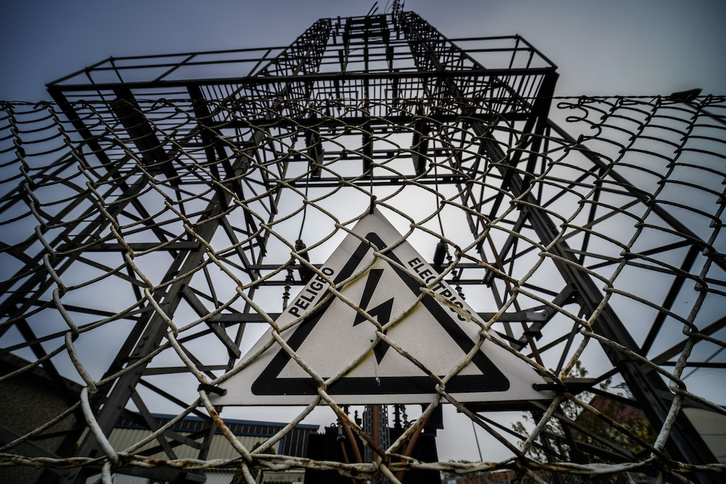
{"x": 382, "y": 311}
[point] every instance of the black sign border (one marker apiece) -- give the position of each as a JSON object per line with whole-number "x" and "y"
{"x": 491, "y": 379}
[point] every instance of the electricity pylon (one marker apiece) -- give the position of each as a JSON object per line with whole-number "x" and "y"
{"x": 194, "y": 193}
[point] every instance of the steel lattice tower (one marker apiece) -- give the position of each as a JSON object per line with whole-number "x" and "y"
{"x": 189, "y": 196}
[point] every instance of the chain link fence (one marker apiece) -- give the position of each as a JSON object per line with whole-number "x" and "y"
{"x": 138, "y": 273}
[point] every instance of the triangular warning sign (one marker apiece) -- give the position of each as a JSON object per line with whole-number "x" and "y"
{"x": 339, "y": 343}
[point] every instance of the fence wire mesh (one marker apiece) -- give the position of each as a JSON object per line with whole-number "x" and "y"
{"x": 134, "y": 282}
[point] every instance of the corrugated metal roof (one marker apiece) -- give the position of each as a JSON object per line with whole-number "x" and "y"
{"x": 123, "y": 438}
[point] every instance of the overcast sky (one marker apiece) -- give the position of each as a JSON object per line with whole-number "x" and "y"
{"x": 614, "y": 47}
{"x": 602, "y": 47}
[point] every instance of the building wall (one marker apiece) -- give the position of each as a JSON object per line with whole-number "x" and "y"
{"x": 27, "y": 402}
{"x": 712, "y": 428}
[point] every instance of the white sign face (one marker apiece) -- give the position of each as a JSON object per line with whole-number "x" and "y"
{"x": 437, "y": 331}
